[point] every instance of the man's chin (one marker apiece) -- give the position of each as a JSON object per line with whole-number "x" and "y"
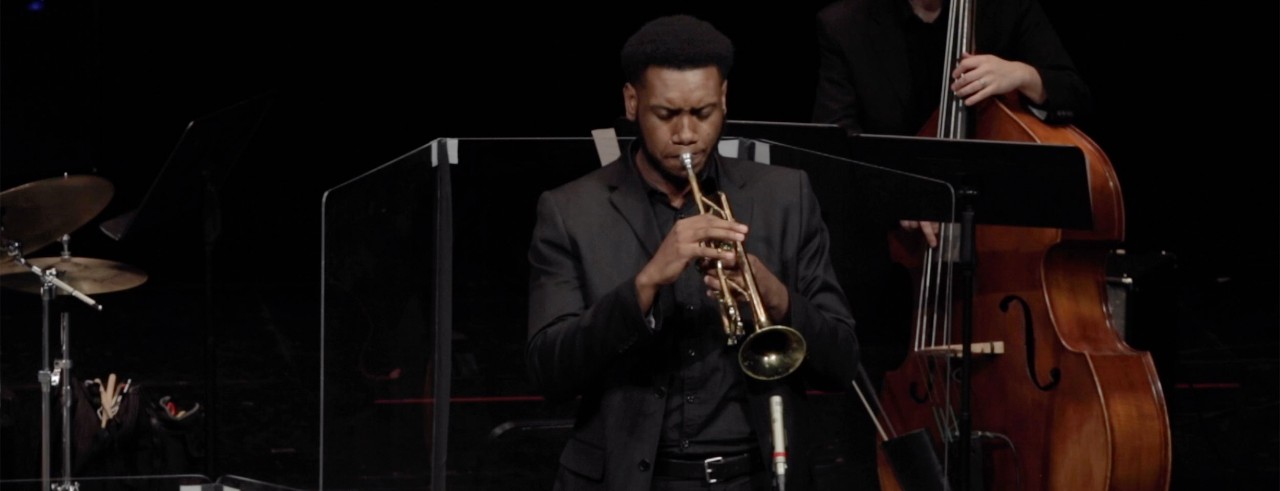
{"x": 679, "y": 180}
{"x": 671, "y": 169}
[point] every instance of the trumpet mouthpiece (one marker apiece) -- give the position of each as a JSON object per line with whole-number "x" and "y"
{"x": 687, "y": 159}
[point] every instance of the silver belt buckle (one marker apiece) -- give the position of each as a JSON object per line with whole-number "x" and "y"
{"x": 706, "y": 466}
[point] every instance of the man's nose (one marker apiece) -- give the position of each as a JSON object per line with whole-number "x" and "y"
{"x": 684, "y": 133}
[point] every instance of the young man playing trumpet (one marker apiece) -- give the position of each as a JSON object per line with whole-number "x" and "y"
{"x": 624, "y": 310}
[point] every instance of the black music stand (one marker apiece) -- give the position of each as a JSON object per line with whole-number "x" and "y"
{"x": 199, "y": 163}
{"x": 1018, "y": 184}
{"x": 1053, "y": 192}
{"x": 196, "y": 168}
{"x": 822, "y": 138}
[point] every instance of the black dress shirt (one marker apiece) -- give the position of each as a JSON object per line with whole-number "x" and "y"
{"x": 706, "y": 404}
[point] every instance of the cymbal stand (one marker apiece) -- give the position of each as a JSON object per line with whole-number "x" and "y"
{"x": 60, "y": 374}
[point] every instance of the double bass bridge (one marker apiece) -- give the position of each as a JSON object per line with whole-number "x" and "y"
{"x": 990, "y": 348}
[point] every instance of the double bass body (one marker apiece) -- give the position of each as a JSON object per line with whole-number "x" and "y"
{"x": 1067, "y": 405}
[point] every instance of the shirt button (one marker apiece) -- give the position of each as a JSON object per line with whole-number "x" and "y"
{"x": 644, "y": 465}
{"x": 693, "y": 353}
{"x": 689, "y": 308}
{"x": 690, "y": 398}
{"x": 684, "y": 443}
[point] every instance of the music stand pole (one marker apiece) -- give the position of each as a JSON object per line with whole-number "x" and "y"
{"x": 212, "y": 228}
{"x": 968, "y": 283}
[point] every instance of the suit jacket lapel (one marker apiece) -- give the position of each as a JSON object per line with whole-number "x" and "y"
{"x": 733, "y": 181}
{"x": 630, "y": 200}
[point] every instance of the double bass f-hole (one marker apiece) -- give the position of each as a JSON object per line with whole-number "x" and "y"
{"x": 1028, "y": 325}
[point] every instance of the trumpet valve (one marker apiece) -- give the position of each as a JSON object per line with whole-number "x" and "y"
{"x": 732, "y": 323}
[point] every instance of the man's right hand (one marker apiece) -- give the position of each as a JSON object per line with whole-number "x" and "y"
{"x": 687, "y": 241}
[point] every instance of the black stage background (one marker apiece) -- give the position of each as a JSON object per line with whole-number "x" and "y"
{"x": 107, "y": 87}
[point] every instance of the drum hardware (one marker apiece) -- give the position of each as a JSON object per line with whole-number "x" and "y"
{"x": 33, "y": 216}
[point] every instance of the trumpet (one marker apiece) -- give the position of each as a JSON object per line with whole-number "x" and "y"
{"x": 772, "y": 351}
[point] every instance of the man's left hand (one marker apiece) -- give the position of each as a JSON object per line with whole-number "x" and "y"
{"x": 773, "y": 294}
{"x": 978, "y": 77}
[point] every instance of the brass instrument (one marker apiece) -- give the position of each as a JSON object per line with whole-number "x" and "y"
{"x": 772, "y": 351}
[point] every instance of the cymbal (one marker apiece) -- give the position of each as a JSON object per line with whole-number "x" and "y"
{"x": 89, "y": 276}
{"x": 39, "y": 213}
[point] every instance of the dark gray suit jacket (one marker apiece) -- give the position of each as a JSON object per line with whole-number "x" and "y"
{"x": 588, "y": 338}
{"x": 864, "y": 80}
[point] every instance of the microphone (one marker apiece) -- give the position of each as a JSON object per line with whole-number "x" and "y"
{"x": 779, "y": 441}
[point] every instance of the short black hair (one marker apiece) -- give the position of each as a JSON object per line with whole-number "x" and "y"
{"x": 676, "y": 41}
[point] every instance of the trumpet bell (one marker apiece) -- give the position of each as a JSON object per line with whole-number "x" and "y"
{"x": 772, "y": 353}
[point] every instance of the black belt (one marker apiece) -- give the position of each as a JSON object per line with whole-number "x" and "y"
{"x": 711, "y": 470}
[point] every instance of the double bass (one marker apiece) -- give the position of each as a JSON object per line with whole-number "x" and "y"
{"x": 1057, "y": 399}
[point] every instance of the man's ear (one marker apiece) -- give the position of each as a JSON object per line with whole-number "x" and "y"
{"x": 629, "y": 100}
{"x": 724, "y": 97}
